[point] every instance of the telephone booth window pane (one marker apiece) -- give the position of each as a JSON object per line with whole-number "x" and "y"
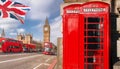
{"x": 93, "y": 19}
{"x": 90, "y": 54}
{"x": 90, "y": 60}
{"x": 93, "y": 26}
{"x": 93, "y": 46}
{"x": 93, "y": 40}
{"x": 93, "y": 33}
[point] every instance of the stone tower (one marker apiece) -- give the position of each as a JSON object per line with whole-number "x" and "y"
{"x": 3, "y": 33}
{"x": 20, "y": 37}
{"x": 28, "y": 38}
{"x": 46, "y": 31}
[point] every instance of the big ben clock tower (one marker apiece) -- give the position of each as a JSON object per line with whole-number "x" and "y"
{"x": 46, "y": 30}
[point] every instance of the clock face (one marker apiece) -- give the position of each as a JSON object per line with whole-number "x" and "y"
{"x": 46, "y": 28}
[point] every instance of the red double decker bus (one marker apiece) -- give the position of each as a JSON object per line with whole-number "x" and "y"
{"x": 47, "y": 48}
{"x": 29, "y": 48}
{"x": 10, "y": 45}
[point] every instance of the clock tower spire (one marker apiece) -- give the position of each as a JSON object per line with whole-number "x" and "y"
{"x": 46, "y": 30}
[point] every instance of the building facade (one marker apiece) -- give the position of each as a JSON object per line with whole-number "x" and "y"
{"x": 27, "y": 38}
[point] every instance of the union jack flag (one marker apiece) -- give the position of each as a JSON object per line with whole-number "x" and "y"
{"x": 15, "y": 10}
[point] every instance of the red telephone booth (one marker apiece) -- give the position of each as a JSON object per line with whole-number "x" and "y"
{"x": 86, "y": 36}
{"x": 71, "y": 19}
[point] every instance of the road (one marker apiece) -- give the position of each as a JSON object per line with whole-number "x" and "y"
{"x": 25, "y": 61}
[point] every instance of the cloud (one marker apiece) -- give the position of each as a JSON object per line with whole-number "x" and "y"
{"x": 8, "y": 23}
{"x": 36, "y": 39}
{"x": 41, "y": 9}
{"x": 13, "y": 34}
{"x": 40, "y": 25}
{"x": 20, "y": 30}
{"x": 25, "y": 2}
{"x": 56, "y": 29}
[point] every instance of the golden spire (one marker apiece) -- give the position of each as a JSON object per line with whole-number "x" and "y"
{"x": 46, "y": 21}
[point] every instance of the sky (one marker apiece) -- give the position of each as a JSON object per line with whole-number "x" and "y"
{"x": 35, "y": 19}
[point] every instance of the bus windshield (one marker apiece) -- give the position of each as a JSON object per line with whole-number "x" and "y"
{"x": 47, "y": 49}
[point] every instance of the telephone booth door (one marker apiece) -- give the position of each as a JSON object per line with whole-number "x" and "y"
{"x": 95, "y": 17}
{"x": 71, "y": 19}
{"x": 94, "y": 43}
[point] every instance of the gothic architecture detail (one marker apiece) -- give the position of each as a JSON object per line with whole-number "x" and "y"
{"x": 46, "y": 30}
{"x": 27, "y": 38}
{"x": 3, "y": 33}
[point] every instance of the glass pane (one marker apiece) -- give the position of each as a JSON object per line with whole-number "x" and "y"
{"x": 93, "y": 33}
{"x": 93, "y": 46}
{"x": 88, "y": 53}
{"x": 93, "y": 19}
{"x": 93, "y": 39}
{"x": 90, "y": 60}
{"x": 93, "y": 26}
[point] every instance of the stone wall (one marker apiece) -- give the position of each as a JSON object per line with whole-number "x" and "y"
{"x": 59, "y": 53}
{"x": 117, "y": 12}
{"x": 117, "y": 65}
